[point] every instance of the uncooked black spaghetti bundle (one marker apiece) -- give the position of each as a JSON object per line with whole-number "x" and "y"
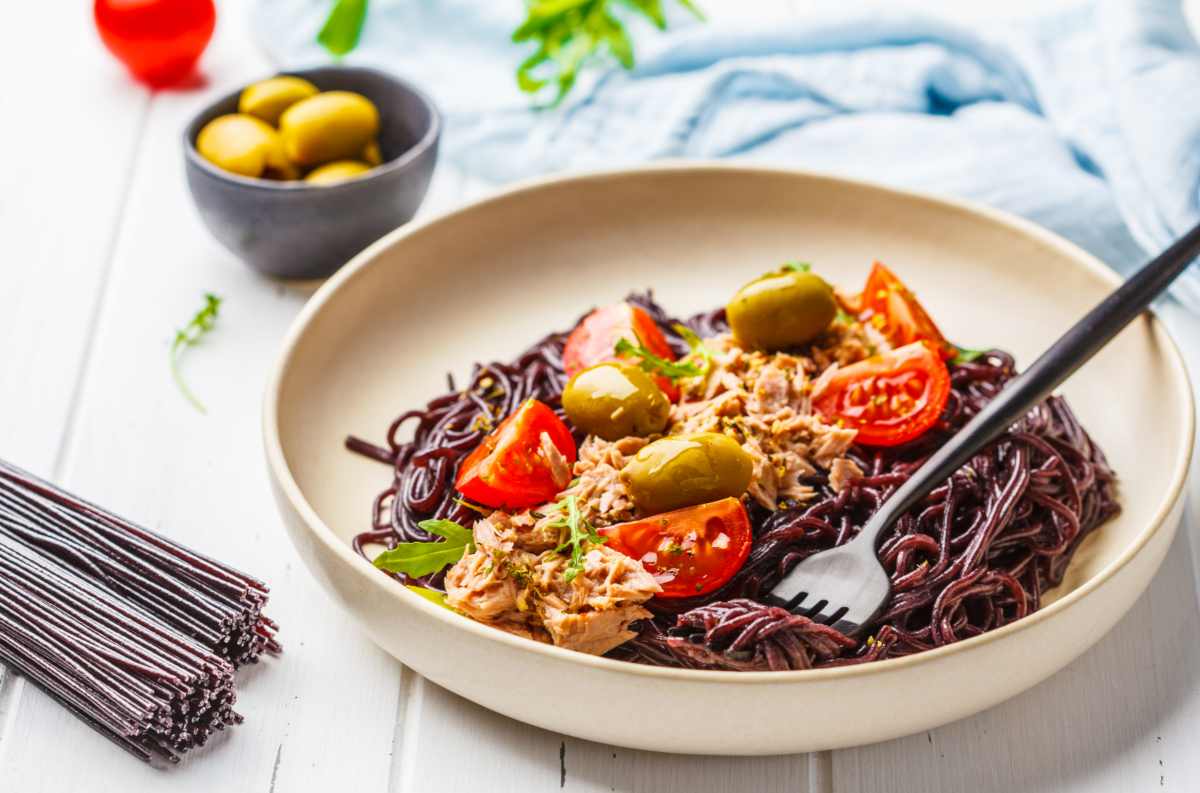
{"x": 135, "y": 634}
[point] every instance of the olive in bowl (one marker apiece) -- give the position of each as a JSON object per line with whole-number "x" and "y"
{"x": 286, "y": 225}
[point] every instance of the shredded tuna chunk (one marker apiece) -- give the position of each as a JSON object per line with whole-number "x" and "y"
{"x": 504, "y": 584}
{"x": 764, "y": 401}
{"x": 841, "y": 472}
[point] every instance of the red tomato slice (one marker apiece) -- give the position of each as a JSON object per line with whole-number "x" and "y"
{"x": 894, "y": 310}
{"x": 594, "y": 339}
{"x": 509, "y": 470}
{"x": 890, "y": 398}
{"x": 692, "y": 551}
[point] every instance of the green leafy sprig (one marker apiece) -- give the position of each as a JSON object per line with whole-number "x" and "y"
{"x": 965, "y": 355}
{"x": 432, "y": 595}
{"x": 189, "y": 336}
{"x": 579, "y": 533}
{"x": 416, "y": 559}
{"x": 571, "y": 33}
{"x": 339, "y": 35}
{"x": 655, "y": 364}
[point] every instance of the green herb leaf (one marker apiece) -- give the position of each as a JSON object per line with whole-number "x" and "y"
{"x": 432, "y": 595}
{"x": 189, "y": 336}
{"x": 579, "y": 533}
{"x": 654, "y": 364}
{"x": 570, "y": 34}
{"x": 342, "y": 27}
{"x": 796, "y": 267}
{"x": 695, "y": 346}
{"x": 965, "y": 355}
{"x": 422, "y": 558}
{"x": 843, "y": 317}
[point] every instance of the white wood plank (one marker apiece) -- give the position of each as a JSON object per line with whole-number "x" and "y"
{"x": 70, "y": 135}
{"x": 1123, "y": 717}
{"x": 452, "y": 745}
{"x": 322, "y": 716}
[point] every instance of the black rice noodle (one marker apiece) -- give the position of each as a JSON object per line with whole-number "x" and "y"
{"x": 978, "y": 553}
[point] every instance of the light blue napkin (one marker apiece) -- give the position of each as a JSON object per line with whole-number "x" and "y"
{"x": 1085, "y": 120}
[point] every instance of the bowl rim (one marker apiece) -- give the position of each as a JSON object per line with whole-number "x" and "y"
{"x": 427, "y": 140}
{"x": 317, "y": 528}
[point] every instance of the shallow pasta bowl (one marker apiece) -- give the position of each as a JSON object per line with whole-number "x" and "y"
{"x": 483, "y": 282}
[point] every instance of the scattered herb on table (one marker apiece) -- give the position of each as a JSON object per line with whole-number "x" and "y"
{"x": 570, "y": 34}
{"x": 579, "y": 532}
{"x": 339, "y": 35}
{"x": 416, "y": 559}
{"x": 189, "y": 336}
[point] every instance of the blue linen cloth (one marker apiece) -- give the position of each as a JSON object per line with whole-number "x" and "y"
{"x": 1085, "y": 119}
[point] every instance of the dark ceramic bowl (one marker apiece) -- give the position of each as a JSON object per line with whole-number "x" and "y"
{"x": 296, "y": 230}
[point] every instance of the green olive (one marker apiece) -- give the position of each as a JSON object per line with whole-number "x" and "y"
{"x": 614, "y": 400}
{"x": 243, "y": 145}
{"x": 334, "y": 125}
{"x": 267, "y": 99}
{"x": 685, "y": 470}
{"x": 371, "y": 154}
{"x": 782, "y": 309}
{"x": 338, "y": 171}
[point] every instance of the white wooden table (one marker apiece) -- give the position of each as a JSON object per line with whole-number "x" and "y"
{"x": 105, "y": 257}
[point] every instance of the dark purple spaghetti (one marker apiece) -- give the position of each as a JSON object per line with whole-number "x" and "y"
{"x": 977, "y": 554}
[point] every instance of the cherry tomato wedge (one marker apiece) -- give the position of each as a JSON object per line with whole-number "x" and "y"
{"x": 895, "y": 311}
{"x": 691, "y": 551}
{"x": 594, "y": 339}
{"x": 890, "y": 398}
{"x": 511, "y": 469}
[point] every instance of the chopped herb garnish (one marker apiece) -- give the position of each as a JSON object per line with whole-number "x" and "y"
{"x": 579, "y": 533}
{"x": 416, "y": 559}
{"x": 965, "y": 355}
{"x": 844, "y": 318}
{"x": 654, "y": 364}
{"x": 189, "y": 336}
{"x": 796, "y": 267}
{"x": 432, "y": 595}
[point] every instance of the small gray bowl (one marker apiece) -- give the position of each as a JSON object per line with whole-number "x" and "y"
{"x": 297, "y": 230}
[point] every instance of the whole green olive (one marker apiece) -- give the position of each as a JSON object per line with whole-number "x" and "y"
{"x": 685, "y": 470}
{"x": 243, "y": 145}
{"x": 781, "y": 309}
{"x": 334, "y": 125}
{"x": 614, "y": 400}
{"x": 337, "y": 171}
{"x": 267, "y": 99}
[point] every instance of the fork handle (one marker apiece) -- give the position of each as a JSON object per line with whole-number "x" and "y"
{"x": 1054, "y": 366}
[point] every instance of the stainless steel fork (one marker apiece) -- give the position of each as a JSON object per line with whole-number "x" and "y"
{"x": 846, "y": 587}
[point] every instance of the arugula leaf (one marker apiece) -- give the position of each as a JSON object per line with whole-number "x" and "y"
{"x": 579, "y": 532}
{"x": 416, "y": 559}
{"x": 432, "y": 595}
{"x": 189, "y": 336}
{"x": 965, "y": 355}
{"x": 695, "y": 346}
{"x": 342, "y": 27}
{"x": 654, "y": 364}
{"x": 572, "y": 33}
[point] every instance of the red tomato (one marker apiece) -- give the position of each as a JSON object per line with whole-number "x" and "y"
{"x": 890, "y": 398}
{"x": 693, "y": 550}
{"x": 158, "y": 40}
{"x": 891, "y": 307}
{"x": 509, "y": 470}
{"x": 594, "y": 339}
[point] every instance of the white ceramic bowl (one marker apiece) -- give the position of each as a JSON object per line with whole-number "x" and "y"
{"x": 483, "y": 282}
